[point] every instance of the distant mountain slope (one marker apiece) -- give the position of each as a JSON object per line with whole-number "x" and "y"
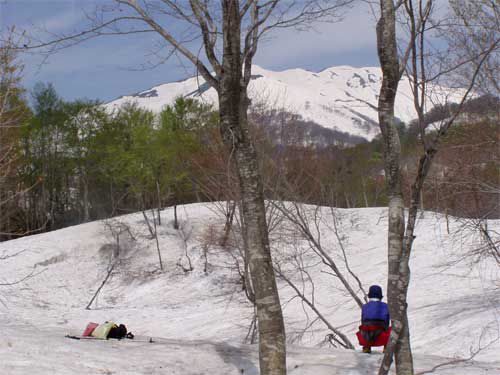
{"x": 342, "y": 98}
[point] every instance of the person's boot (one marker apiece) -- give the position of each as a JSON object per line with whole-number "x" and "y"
{"x": 367, "y": 349}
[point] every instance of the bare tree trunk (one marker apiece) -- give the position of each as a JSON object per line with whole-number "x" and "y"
{"x": 115, "y": 254}
{"x": 176, "y": 222}
{"x": 422, "y": 207}
{"x": 229, "y": 222}
{"x": 365, "y": 196}
{"x": 6, "y": 230}
{"x": 252, "y": 329}
{"x": 158, "y": 195}
{"x": 86, "y": 204}
{"x": 447, "y": 220}
{"x": 146, "y": 219}
{"x": 110, "y": 271}
{"x": 246, "y": 272}
{"x": 342, "y": 339}
{"x": 347, "y": 201}
{"x": 270, "y": 319}
{"x": 156, "y": 238}
{"x": 233, "y": 105}
{"x": 399, "y": 271}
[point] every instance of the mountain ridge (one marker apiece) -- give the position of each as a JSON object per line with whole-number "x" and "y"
{"x": 342, "y": 98}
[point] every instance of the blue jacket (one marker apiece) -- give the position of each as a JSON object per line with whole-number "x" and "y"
{"x": 375, "y": 310}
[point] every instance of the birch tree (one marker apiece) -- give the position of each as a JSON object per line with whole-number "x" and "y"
{"x": 230, "y": 31}
{"x": 412, "y": 60}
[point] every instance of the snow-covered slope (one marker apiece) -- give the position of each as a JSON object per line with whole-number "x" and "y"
{"x": 199, "y": 319}
{"x": 335, "y": 98}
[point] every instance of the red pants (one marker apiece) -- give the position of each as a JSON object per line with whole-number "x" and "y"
{"x": 380, "y": 340}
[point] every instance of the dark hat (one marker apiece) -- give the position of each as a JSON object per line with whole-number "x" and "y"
{"x": 375, "y": 292}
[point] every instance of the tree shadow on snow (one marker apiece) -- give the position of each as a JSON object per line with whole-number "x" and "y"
{"x": 238, "y": 357}
{"x": 466, "y": 307}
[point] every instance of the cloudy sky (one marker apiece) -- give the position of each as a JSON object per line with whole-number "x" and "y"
{"x": 106, "y": 68}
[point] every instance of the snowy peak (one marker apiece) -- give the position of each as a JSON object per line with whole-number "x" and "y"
{"x": 342, "y": 98}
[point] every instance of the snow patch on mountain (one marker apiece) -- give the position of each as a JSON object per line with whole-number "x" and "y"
{"x": 342, "y": 98}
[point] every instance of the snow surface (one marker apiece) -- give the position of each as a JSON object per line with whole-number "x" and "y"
{"x": 199, "y": 320}
{"x": 335, "y": 98}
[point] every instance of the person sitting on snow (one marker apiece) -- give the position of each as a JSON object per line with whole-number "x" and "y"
{"x": 375, "y": 320}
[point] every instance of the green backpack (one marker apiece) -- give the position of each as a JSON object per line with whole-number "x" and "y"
{"x": 101, "y": 332}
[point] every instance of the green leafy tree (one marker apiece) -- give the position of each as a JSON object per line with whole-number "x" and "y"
{"x": 179, "y": 125}
{"x": 44, "y": 163}
{"x": 14, "y": 112}
{"x": 86, "y": 119}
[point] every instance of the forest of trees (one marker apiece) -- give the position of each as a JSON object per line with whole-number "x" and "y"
{"x": 76, "y": 162}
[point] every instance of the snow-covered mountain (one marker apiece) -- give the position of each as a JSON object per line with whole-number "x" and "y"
{"x": 342, "y": 98}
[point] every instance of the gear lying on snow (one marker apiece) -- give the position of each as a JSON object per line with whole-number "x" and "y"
{"x": 108, "y": 330}
{"x": 90, "y": 338}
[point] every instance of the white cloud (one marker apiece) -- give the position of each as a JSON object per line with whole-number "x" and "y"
{"x": 355, "y": 33}
{"x": 63, "y": 21}
{"x": 53, "y": 16}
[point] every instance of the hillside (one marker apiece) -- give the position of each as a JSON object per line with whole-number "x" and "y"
{"x": 199, "y": 319}
{"x": 335, "y": 98}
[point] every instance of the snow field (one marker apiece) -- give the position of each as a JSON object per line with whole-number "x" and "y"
{"x": 199, "y": 320}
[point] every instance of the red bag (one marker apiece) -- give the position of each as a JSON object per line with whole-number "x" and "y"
{"x": 89, "y": 329}
{"x": 379, "y": 340}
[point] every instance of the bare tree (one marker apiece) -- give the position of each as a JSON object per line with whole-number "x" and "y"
{"x": 474, "y": 28}
{"x": 117, "y": 229}
{"x": 298, "y": 231}
{"x": 485, "y": 241}
{"x": 338, "y": 337}
{"x": 308, "y": 222}
{"x": 301, "y": 235}
{"x": 230, "y": 31}
{"x": 414, "y": 61}
{"x": 184, "y": 233}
